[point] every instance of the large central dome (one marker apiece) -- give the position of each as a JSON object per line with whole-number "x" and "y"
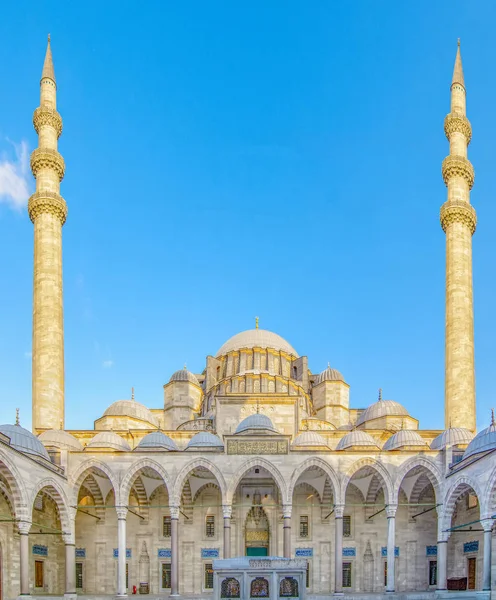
{"x": 257, "y": 338}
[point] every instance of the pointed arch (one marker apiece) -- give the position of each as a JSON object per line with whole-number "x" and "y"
{"x": 457, "y": 487}
{"x": 53, "y": 488}
{"x": 490, "y": 494}
{"x": 134, "y": 471}
{"x": 91, "y": 485}
{"x": 252, "y": 463}
{"x": 314, "y": 461}
{"x": 85, "y": 468}
{"x": 380, "y": 469}
{"x": 15, "y": 482}
{"x": 188, "y": 468}
{"x": 430, "y": 469}
{"x": 209, "y": 485}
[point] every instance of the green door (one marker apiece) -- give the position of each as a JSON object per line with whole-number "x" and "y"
{"x": 251, "y": 551}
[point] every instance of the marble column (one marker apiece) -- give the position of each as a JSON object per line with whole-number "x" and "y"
{"x": 286, "y": 513}
{"x": 227, "y": 512}
{"x": 121, "y": 545}
{"x": 486, "y": 571}
{"x": 24, "y": 527}
{"x": 69, "y": 538}
{"x": 174, "y": 513}
{"x": 391, "y": 521}
{"x": 338, "y": 549}
{"x": 442, "y": 552}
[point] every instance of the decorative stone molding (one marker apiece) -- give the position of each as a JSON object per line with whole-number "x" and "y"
{"x": 47, "y": 202}
{"x": 457, "y": 122}
{"x": 391, "y": 510}
{"x": 458, "y": 166}
{"x": 287, "y": 509}
{"x": 227, "y": 511}
{"x": 338, "y": 511}
{"x": 487, "y": 523}
{"x": 174, "y": 512}
{"x": 457, "y": 211}
{"x": 121, "y": 512}
{"x": 47, "y": 116}
{"x": 24, "y": 527}
{"x": 47, "y": 158}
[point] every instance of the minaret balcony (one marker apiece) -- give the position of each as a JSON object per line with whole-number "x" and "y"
{"x": 456, "y": 122}
{"x": 43, "y": 202}
{"x": 42, "y": 158}
{"x": 458, "y": 166}
{"x": 44, "y": 115}
{"x": 458, "y": 211}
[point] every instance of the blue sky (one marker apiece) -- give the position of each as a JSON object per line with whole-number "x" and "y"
{"x": 226, "y": 160}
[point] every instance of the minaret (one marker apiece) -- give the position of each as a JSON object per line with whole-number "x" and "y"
{"x": 48, "y": 211}
{"x": 458, "y": 220}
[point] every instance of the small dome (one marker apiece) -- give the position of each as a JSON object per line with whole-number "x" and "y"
{"x": 133, "y": 409}
{"x": 382, "y": 408}
{"x": 402, "y": 438}
{"x": 356, "y": 438}
{"x": 258, "y": 422}
{"x": 205, "y": 439}
{"x": 257, "y": 338}
{"x": 454, "y": 436}
{"x": 23, "y": 440}
{"x": 483, "y": 441}
{"x": 109, "y": 439}
{"x": 329, "y": 375}
{"x": 156, "y": 441}
{"x": 60, "y": 439}
{"x": 184, "y": 375}
{"x": 310, "y": 439}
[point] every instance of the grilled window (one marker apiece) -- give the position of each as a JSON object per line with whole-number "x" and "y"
{"x": 346, "y": 574}
{"x": 209, "y": 576}
{"x": 347, "y": 526}
{"x": 304, "y": 526}
{"x": 79, "y": 576}
{"x": 167, "y": 527}
{"x": 166, "y": 575}
{"x": 210, "y": 526}
{"x": 433, "y": 572}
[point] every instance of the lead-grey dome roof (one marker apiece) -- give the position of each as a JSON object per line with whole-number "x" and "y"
{"x": 404, "y": 437}
{"x": 310, "y": 439}
{"x": 454, "y": 436}
{"x": 257, "y": 338}
{"x": 60, "y": 439}
{"x": 184, "y": 375}
{"x": 23, "y": 440}
{"x": 329, "y": 374}
{"x": 483, "y": 441}
{"x": 156, "y": 441}
{"x": 109, "y": 439}
{"x": 257, "y": 422}
{"x": 357, "y": 437}
{"x": 131, "y": 408}
{"x": 205, "y": 439}
{"x": 382, "y": 408}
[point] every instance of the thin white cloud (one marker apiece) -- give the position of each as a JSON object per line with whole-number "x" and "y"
{"x": 14, "y": 177}
{"x": 107, "y": 364}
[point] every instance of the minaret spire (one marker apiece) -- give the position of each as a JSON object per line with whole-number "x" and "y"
{"x": 458, "y": 220}
{"x": 48, "y": 211}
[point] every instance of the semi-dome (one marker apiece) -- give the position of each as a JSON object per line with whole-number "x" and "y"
{"x": 454, "y": 436}
{"x": 60, "y": 439}
{"x": 23, "y": 440}
{"x": 258, "y": 423}
{"x": 156, "y": 441}
{"x": 329, "y": 375}
{"x": 483, "y": 441}
{"x": 310, "y": 439}
{"x": 356, "y": 438}
{"x": 205, "y": 439}
{"x": 404, "y": 437}
{"x": 109, "y": 439}
{"x": 184, "y": 375}
{"x": 257, "y": 338}
{"x": 382, "y": 408}
{"x": 133, "y": 409}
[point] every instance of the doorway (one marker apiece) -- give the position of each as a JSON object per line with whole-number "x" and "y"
{"x": 472, "y": 572}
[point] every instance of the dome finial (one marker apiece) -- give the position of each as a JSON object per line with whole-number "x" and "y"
{"x": 185, "y": 368}
{"x": 132, "y": 393}
{"x": 380, "y": 395}
{"x": 328, "y": 365}
{"x": 493, "y": 422}
{"x": 18, "y": 422}
{"x": 256, "y": 322}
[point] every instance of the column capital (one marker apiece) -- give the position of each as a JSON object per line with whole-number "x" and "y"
{"x": 287, "y": 510}
{"x": 227, "y": 511}
{"x": 121, "y": 512}
{"x": 487, "y": 524}
{"x": 338, "y": 511}
{"x": 391, "y": 510}
{"x": 24, "y": 527}
{"x": 69, "y": 539}
{"x": 174, "y": 511}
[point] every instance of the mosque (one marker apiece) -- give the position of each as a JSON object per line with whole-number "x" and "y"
{"x": 254, "y": 456}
